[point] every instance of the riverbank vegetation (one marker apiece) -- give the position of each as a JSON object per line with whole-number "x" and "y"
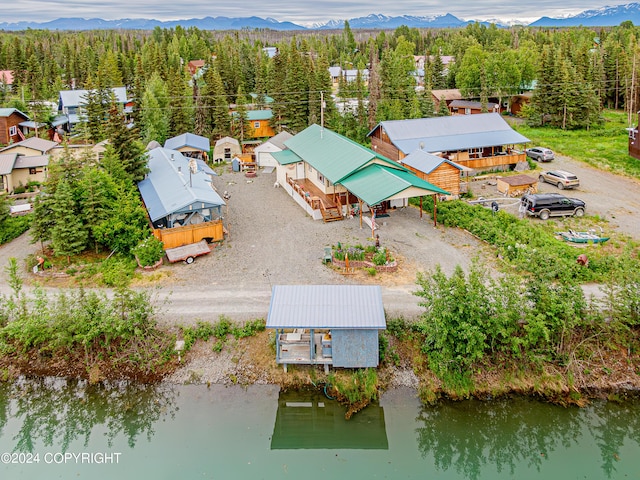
{"x": 82, "y": 334}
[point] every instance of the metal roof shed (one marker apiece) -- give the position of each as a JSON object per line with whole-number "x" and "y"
{"x": 342, "y": 321}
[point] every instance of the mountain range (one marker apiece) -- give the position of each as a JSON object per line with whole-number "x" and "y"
{"x": 602, "y": 17}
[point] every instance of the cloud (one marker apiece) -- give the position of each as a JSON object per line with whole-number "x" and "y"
{"x": 298, "y": 11}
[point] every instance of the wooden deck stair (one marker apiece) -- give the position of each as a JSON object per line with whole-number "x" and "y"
{"x": 330, "y": 214}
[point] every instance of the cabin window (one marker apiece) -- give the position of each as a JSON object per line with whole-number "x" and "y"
{"x": 321, "y": 178}
{"x": 467, "y": 111}
{"x": 32, "y": 171}
{"x": 13, "y": 130}
{"x": 256, "y": 124}
{"x": 227, "y": 154}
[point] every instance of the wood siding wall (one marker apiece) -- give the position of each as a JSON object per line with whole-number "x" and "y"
{"x": 445, "y": 176}
{"x": 264, "y": 130}
{"x": 6, "y": 123}
{"x": 179, "y": 236}
{"x": 634, "y": 143}
{"x": 385, "y": 148}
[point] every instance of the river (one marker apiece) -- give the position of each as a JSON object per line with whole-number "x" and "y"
{"x": 60, "y": 429}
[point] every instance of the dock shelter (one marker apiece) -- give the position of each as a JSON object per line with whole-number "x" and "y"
{"x": 330, "y": 325}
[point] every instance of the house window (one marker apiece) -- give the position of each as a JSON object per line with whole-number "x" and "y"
{"x": 32, "y": 171}
{"x": 256, "y": 124}
{"x": 227, "y": 154}
{"x": 467, "y": 111}
{"x": 13, "y": 130}
{"x": 320, "y": 178}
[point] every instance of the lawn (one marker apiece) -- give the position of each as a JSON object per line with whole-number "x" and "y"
{"x": 604, "y": 147}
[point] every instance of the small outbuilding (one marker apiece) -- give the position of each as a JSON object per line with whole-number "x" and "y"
{"x": 327, "y": 324}
{"x": 517, "y": 185}
{"x": 225, "y": 149}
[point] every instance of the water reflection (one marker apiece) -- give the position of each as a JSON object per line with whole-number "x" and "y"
{"x": 611, "y": 426}
{"x": 309, "y": 420}
{"x": 474, "y": 437}
{"x": 57, "y": 412}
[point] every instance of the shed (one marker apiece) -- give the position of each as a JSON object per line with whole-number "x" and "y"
{"x": 327, "y": 324}
{"x": 517, "y": 185}
{"x": 225, "y": 149}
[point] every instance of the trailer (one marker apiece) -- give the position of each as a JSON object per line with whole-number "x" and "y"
{"x": 187, "y": 253}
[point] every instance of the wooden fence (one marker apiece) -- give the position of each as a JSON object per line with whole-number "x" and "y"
{"x": 179, "y": 236}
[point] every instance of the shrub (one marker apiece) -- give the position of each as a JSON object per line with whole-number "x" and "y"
{"x": 149, "y": 251}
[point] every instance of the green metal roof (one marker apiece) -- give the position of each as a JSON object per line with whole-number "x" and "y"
{"x": 377, "y": 183}
{"x": 286, "y": 157}
{"x": 253, "y": 115}
{"x": 333, "y": 155}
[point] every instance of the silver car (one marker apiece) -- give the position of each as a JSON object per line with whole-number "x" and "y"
{"x": 540, "y": 154}
{"x": 560, "y": 178}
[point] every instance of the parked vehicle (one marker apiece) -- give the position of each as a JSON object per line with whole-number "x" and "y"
{"x": 540, "y": 154}
{"x": 545, "y": 205}
{"x": 560, "y": 178}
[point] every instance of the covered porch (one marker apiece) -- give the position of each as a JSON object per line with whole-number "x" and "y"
{"x": 327, "y": 207}
{"x": 305, "y": 347}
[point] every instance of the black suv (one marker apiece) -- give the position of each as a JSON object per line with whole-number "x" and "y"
{"x": 545, "y": 205}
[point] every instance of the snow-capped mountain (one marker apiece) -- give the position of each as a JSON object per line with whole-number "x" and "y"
{"x": 605, "y": 16}
{"x": 602, "y": 17}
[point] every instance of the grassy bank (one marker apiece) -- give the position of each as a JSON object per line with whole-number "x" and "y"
{"x": 604, "y": 147}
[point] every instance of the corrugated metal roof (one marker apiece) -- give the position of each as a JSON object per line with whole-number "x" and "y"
{"x": 279, "y": 140}
{"x": 253, "y": 115}
{"x": 35, "y": 143}
{"x": 471, "y": 104}
{"x": 286, "y": 157}
{"x": 425, "y": 162}
{"x": 7, "y": 160}
{"x": 202, "y": 166}
{"x": 75, "y": 98}
{"x": 331, "y": 154}
{"x": 188, "y": 140}
{"x": 169, "y": 187}
{"x": 326, "y": 306}
{"x": 224, "y": 140}
{"x": 31, "y": 161}
{"x": 376, "y": 183}
{"x": 5, "y": 112}
{"x": 458, "y": 132}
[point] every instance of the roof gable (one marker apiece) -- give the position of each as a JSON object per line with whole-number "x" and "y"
{"x": 7, "y": 160}
{"x": 170, "y": 187}
{"x": 35, "y": 143}
{"x": 457, "y": 132}
{"x": 426, "y": 162}
{"x": 7, "y": 112}
{"x": 333, "y": 155}
{"x": 75, "y": 98}
{"x": 188, "y": 140}
{"x": 376, "y": 183}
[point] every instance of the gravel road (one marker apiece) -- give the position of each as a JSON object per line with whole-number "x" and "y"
{"x": 272, "y": 241}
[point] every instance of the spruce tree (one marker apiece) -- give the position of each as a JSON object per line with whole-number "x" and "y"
{"x": 126, "y": 146}
{"x": 69, "y": 234}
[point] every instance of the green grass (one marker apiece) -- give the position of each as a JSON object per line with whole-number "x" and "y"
{"x": 605, "y": 147}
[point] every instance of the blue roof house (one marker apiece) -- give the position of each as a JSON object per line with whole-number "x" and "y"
{"x": 483, "y": 141}
{"x": 190, "y": 145}
{"x": 327, "y": 324}
{"x": 176, "y": 192}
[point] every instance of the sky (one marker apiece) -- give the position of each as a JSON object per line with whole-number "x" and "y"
{"x": 301, "y": 12}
